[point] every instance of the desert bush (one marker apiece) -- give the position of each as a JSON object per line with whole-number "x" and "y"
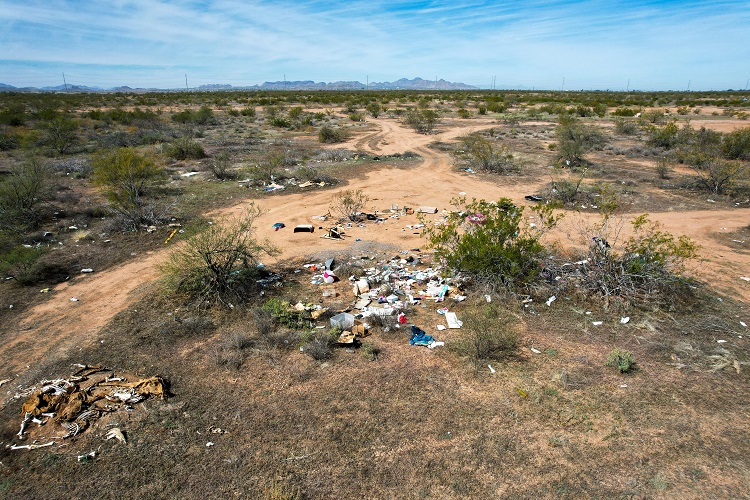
{"x": 23, "y": 193}
{"x": 60, "y": 133}
{"x": 625, "y": 112}
{"x": 566, "y": 191}
{"x": 621, "y": 359}
{"x": 370, "y": 351}
{"x": 481, "y": 154}
{"x": 487, "y": 334}
{"x": 736, "y": 144}
{"x": 320, "y": 344}
{"x": 125, "y": 176}
{"x": 626, "y": 127}
{"x": 184, "y": 148}
{"x": 349, "y": 204}
{"x": 331, "y": 135}
{"x": 219, "y": 262}
{"x": 649, "y": 270}
{"x": 717, "y": 176}
{"x": 663, "y": 167}
{"x": 422, "y": 121}
{"x": 574, "y": 140}
{"x": 8, "y": 140}
{"x": 221, "y": 167}
{"x": 464, "y": 113}
{"x": 335, "y": 155}
{"x": 663, "y": 137}
{"x": 285, "y": 314}
{"x": 485, "y": 240}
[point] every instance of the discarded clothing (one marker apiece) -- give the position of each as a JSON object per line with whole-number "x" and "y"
{"x": 419, "y": 337}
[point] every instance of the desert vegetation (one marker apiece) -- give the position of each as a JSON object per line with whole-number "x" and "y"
{"x": 593, "y": 247}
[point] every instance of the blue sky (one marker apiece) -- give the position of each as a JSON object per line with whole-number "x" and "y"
{"x": 644, "y": 45}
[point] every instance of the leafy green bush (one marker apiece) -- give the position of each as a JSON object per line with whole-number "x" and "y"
{"x": 23, "y": 193}
{"x": 125, "y": 175}
{"x": 620, "y": 359}
{"x": 736, "y": 144}
{"x": 284, "y": 314}
{"x": 485, "y": 240}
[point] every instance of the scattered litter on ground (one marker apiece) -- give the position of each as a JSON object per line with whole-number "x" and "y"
{"x": 278, "y": 225}
{"x": 535, "y": 350}
{"x": 624, "y": 320}
{"x": 492, "y": 370}
{"x": 87, "y": 270}
{"x": 452, "y": 320}
{"x": 597, "y": 323}
{"x": 550, "y": 300}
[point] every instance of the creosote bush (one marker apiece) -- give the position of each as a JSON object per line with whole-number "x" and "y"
{"x": 485, "y": 240}
{"x": 219, "y": 263}
{"x": 349, "y": 204}
{"x": 479, "y": 153}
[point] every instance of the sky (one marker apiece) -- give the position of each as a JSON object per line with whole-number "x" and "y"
{"x": 521, "y": 44}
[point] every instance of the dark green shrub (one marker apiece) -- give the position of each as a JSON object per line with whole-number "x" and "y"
{"x": 485, "y": 240}
{"x": 330, "y": 135}
{"x": 736, "y": 144}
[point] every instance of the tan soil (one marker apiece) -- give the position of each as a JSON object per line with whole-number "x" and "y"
{"x": 62, "y": 325}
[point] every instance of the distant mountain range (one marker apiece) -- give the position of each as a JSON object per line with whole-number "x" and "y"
{"x": 402, "y": 84}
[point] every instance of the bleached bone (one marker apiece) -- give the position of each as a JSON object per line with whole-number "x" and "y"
{"x": 73, "y": 429}
{"x": 24, "y": 423}
{"x": 116, "y": 433}
{"x": 31, "y": 446}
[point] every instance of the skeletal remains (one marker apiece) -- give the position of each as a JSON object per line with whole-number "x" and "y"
{"x": 79, "y": 400}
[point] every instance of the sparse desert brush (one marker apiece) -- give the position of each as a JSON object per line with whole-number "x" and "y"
{"x": 621, "y": 359}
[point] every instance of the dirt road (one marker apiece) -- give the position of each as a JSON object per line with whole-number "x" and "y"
{"x": 63, "y": 325}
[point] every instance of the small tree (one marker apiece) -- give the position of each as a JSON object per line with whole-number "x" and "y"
{"x": 220, "y": 262}
{"x": 349, "y": 204}
{"x": 736, "y": 144}
{"x": 60, "y": 133}
{"x": 331, "y": 135}
{"x": 126, "y": 176}
{"x": 574, "y": 140}
{"x": 26, "y": 188}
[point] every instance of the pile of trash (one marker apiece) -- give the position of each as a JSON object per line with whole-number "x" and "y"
{"x": 78, "y": 401}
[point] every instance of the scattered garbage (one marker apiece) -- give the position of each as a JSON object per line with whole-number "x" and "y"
{"x": 278, "y": 225}
{"x": 492, "y": 370}
{"x": 550, "y": 300}
{"x": 597, "y": 323}
{"x": 624, "y": 320}
{"x": 87, "y": 270}
{"x": 304, "y": 228}
{"x": 344, "y": 321}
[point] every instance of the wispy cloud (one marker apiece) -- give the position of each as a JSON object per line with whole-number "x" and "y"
{"x": 655, "y": 44}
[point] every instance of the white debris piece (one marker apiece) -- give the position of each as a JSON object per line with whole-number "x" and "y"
{"x": 492, "y": 370}
{"x": 452, "y": 320}
{"x": 597, "y": 323}
{"x": 624, "y": 320}
{"x": 551, "y": 300}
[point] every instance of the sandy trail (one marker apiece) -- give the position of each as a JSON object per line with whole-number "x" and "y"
{"x": 61, "y": 325}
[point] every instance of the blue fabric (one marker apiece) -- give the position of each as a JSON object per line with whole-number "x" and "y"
{"x": 419, "y": 337}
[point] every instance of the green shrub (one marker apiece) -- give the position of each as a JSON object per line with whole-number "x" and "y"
{"x": 479, "y": 153}
{"x": 487, "y": 334}
{"x": 219, "y": 262}
{"x": 184, "y": 148}
{"x": 736, "y": 144}
{"x": 331, "y": 135}
{"x": 485, "y": 240}
{"x": 574, "y": 140}
{"x": 620, "y": 359}
{"x": 284, "y": 314}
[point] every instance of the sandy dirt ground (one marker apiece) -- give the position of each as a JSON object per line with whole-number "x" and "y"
{"x": 60, "y": 324}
